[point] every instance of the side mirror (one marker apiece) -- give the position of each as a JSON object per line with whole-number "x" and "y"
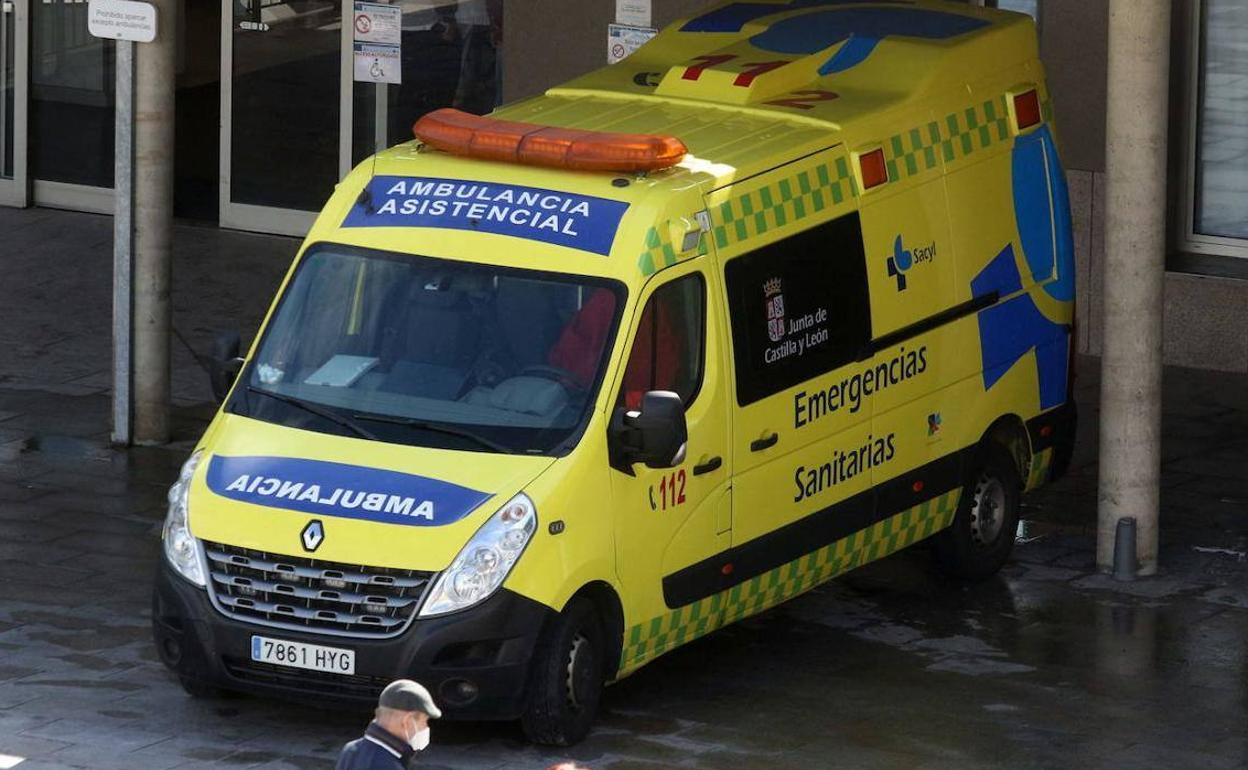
{"x": 224, "y": 363}
{"x": 656, "y": 435}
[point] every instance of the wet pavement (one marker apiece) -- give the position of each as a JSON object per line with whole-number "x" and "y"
{"x": 1046, "y": 665}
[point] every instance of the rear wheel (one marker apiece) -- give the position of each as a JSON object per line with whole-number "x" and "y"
{"x": 566, "y": 680}
{"x": 980, "y": 540}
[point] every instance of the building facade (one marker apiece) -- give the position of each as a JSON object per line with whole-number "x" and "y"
{"x": 269, "y": 117}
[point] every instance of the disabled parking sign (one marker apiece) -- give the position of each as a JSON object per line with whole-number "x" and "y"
{"x": 377, "y": 34}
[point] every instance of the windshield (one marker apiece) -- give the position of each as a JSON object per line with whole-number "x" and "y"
{"x": 432, "y": 352}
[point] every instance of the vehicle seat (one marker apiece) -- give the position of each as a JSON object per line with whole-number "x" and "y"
{"x": 654, "y": 366}
{"x": 527, "y": 395}
{"x": 527, "y": 320}
{"x": 440, "y": 328}
{"x": 579, "y": 347}
{"x": 439, "y": 343}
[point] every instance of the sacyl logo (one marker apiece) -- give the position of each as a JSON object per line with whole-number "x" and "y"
{"x": 313, "y": 535}
{"x": 903, "y": 259}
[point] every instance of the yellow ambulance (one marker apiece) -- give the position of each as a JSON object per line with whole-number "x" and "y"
{"x": 549, "y": 393}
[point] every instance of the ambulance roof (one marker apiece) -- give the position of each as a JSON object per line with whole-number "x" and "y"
{"x": 747, "y": 86}
{"x": 749, "y": 81}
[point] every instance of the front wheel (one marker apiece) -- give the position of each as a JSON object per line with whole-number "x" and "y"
{"x": 980, "y": 540}
{"x": 566, "y": 680}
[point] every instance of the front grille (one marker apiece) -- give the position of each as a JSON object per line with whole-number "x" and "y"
{"x": 313, "y": 595}
{"x": 348, "y": 685}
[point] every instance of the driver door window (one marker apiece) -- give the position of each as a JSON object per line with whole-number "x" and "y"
{"x": 670, "y": 345}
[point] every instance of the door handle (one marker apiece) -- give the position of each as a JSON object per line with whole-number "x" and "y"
{"x": 708, "y": 466}
{"x": 767, "y": 442}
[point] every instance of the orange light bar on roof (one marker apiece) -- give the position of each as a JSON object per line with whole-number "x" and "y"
{"x": 461, "y": 133}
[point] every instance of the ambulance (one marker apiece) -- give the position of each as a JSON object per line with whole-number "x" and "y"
{"x": 549, "y": 393}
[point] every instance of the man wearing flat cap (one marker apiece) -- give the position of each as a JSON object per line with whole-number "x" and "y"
{"x": 400, "y": 729}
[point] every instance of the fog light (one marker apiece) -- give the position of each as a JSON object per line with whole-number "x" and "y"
{"x": 459, "y": 691}
{"x": 172, "y": 650}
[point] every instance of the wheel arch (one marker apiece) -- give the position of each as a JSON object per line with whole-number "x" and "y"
{"x": 1010, "y": 432}
{"x": 611, "y": 612}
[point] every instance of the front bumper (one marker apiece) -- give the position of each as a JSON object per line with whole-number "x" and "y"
{"x": 1055, "y": 430}
{"x": 489, "y": 646}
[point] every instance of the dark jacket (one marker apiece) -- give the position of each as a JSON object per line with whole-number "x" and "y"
{"x": 377, "y": 750}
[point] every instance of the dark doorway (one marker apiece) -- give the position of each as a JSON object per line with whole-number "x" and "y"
{"x": 197, "y": 150}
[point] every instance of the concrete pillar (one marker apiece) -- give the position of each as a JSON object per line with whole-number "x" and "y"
{"x": 1134, "y": 270}
{"x": 154, "y": 87}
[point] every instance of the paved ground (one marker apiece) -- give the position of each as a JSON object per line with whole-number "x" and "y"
{"x": 1048, "y": 665}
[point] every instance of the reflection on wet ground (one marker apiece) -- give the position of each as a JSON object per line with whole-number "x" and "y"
{"x": 1049, "y": 664}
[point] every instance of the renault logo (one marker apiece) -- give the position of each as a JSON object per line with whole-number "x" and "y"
{"x": 313, "y": 535}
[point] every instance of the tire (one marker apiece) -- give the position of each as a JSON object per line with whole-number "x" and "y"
{"x": 980, "y": 540}
{"x": 566, "y": 678}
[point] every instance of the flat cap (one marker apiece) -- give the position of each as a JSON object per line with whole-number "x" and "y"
{"x": 406, "y": 695}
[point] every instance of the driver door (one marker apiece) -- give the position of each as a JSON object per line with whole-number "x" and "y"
{"x": 671, "y": 519}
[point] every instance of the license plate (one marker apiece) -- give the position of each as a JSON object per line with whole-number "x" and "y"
{"x": 314, "y": 657}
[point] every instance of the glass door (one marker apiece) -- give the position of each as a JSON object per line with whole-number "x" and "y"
{"x": 71, "y": 113}
{"x": 281, "y": 74}
{"x": 13, "y": 87}
{"x": 451, "y": 56}
{"x": 293, "y": 120}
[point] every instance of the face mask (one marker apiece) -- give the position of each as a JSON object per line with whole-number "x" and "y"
{"x": 420, "y": 741}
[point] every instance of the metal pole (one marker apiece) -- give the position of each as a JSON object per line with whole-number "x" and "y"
{"x": 5, "y": 10}
{"x": 1135, "y": 250}
{"x": 346, "y": 90}
{"x": 381, "y": 117}
{"x": 123, "y": 248}
{"x": 153, "y": 225}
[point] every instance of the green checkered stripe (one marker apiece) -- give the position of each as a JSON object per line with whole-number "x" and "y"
{"x": 1039, "y": 472}
{"x": 660, "y": 252}
{"x": 648, "y": 640}
{"x": 959, "y": 134}
{"x": 782, "y": 203}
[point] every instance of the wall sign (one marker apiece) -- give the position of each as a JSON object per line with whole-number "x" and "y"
{"x": 622, "y": 40}
{"x": 377, "y": 32}
{"x": 122, "y": 20}
{"x": 634, "y": 13}
{"x": 378, "y": 23}
{"x": 377, "y": 63}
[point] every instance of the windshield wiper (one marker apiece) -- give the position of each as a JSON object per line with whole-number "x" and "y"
{"x": 316, "y": 410}
{"x": 412, "y": 422}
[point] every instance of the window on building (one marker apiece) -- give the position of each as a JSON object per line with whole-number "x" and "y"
{"x": 71, "y": 110}
{"x": 1221, "y": 172}
{"x": 799, "y": 307}
{"x": 669, "y": 348}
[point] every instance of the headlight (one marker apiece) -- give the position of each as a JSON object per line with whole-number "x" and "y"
{"x": 180, "y": 547}
{"x": 483, "y": 564}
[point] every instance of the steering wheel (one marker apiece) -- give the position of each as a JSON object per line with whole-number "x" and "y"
{"x": 562, "y": 376}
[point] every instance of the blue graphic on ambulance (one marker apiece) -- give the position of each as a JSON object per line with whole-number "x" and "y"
{"x": 582, "y": 222}
{"x": 899, "y": 263}
{"x": 337, "y": 489}
{"x": 861, "y": 29}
